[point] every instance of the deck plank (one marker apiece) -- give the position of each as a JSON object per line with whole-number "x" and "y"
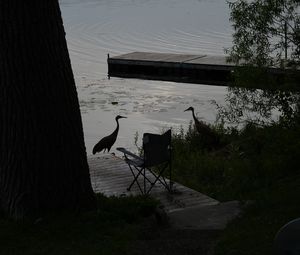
{"x": 158, "y": 57}
{"x": 111, "y": 176}
{"x": 201, "y": 68}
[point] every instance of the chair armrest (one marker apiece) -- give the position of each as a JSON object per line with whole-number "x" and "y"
{"x": 126, "y": 152}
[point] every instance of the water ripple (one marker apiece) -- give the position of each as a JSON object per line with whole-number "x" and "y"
{"x": 97, "y": 27}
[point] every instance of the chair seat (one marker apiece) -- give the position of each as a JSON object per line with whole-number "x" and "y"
{"x": 135, "y": 162}
{"x": 131, "y": 158}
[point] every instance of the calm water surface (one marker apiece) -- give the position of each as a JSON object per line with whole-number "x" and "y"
{"x": 97, "y": 27}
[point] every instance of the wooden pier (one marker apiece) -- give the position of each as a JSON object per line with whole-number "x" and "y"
{"x": 204, "y": 69}
{"x": 111, "y": 176}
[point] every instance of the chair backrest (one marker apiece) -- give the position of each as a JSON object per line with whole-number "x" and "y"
{"x": 157, "y": 148}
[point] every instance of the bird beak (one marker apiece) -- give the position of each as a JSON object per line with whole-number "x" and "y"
{"x": 186, "y": 110}
{"x": 122, "y": 117}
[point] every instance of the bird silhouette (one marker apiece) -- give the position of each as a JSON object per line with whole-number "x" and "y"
{"x": 210, "y": 138}
{"x": 107, "y": 142}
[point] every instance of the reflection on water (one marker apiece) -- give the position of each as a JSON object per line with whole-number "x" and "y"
{"x": 98, "y": 27}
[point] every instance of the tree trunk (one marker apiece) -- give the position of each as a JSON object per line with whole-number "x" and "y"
{"x": 43, "y": 163}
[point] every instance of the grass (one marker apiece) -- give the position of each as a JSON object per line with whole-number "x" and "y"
{"x": 260, "y": 164}
{"x": 254, "y": 232}
{"x": 109, "y": 230}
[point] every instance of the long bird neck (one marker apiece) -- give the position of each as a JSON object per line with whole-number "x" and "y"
{"x": 194, "y": 116}
{"x": 117, "y": 128}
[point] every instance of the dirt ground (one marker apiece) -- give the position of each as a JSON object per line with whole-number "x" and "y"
{"x": 157, "y": 239}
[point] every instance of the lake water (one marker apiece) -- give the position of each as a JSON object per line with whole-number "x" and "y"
{"x": 97, "y": 27}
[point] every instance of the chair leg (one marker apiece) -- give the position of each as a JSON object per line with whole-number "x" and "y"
{"x": 144, "y": 180}
{"x": 135, "y": 179}
{"x": 141, "y": 171}
{"x": 158, "y": 177}
{"x": 170, "y": 175}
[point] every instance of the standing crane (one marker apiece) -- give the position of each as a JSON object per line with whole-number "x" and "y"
{"x": 108, "y": 141}
{"x": 210, "y": 138}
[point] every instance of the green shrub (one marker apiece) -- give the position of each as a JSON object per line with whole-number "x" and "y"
{"x": 257, "y": 163}
{"x": 250, "y": 159}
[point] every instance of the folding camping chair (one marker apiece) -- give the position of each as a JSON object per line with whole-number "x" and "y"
{"x": 156, "y": 155}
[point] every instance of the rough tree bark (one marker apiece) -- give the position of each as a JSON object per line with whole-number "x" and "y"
{"x": 43, "y": 163}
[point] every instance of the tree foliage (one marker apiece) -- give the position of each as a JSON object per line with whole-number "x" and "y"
{"x": 266, "y": 50}
{"x": 262, "y": 107}
{"x": 266, "y": 32}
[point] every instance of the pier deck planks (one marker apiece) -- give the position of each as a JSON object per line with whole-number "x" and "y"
{"x": 173, "y": 67}
{"x": 111, "y": 176}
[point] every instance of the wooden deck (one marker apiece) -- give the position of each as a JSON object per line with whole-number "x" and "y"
{"x": 203, "y": 68}
{"x": 111, "y": 176}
